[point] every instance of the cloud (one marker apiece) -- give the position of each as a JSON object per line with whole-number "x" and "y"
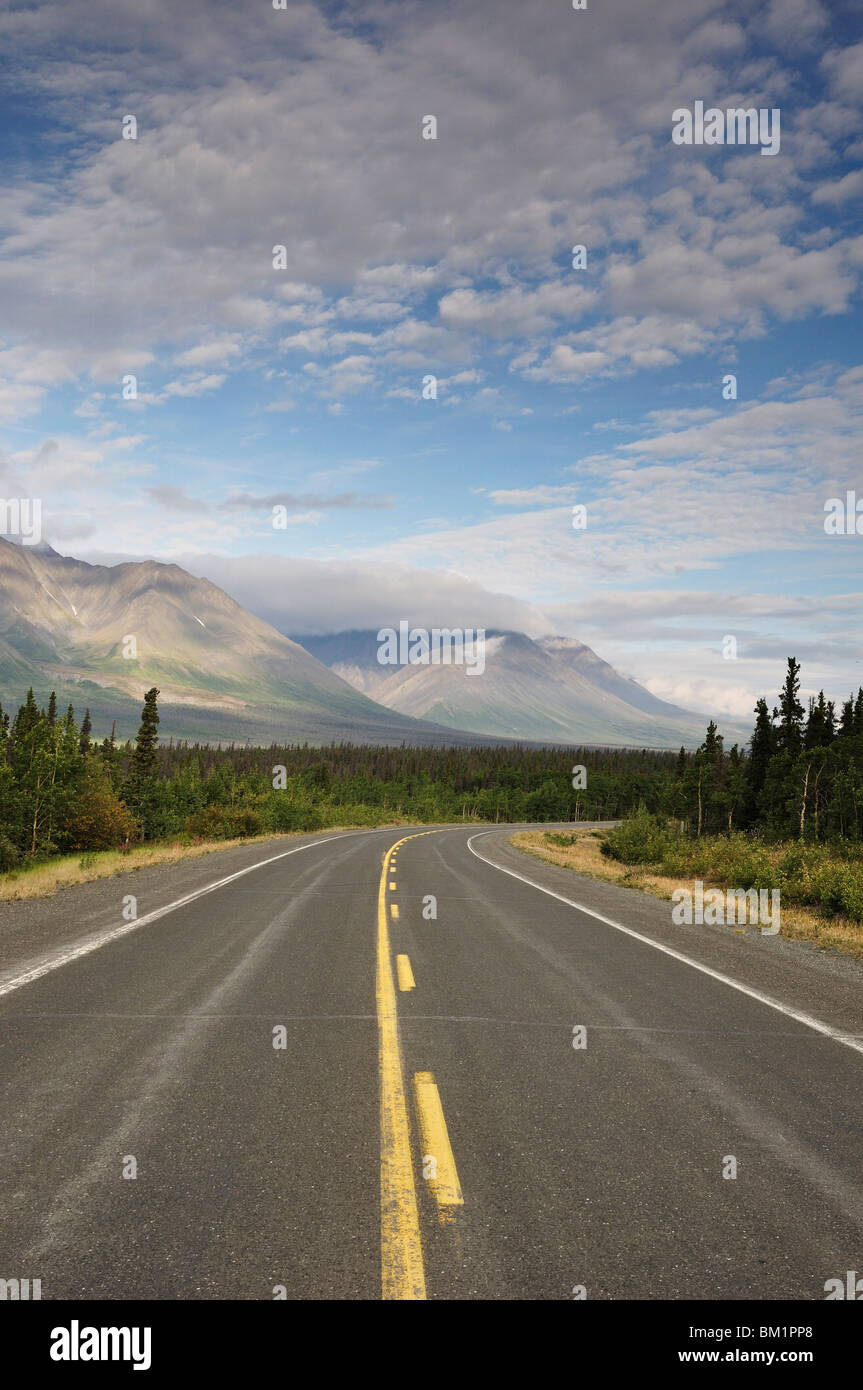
{"x": 483, "y": 218}
{"x": 175, "y": 499}
{"x": 247, "y": 501}
{"x": 840, "y": 190}
{"x": 214, "y": 353}
{"x": 194, "y": 386}
{"x": 316, "y": 596}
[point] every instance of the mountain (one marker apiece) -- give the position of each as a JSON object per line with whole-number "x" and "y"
{"x": 555, "y": 689}
{"x": 224, "y": 675}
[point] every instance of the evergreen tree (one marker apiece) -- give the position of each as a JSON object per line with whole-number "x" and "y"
{"x": 27, "y": 717}
{"x": 761, "y": 748}
{"x": 819, "y": 724}
{"x": 139, "y": 790}
{"x": 144, "y": 761}
{"x": 789, "y": 735}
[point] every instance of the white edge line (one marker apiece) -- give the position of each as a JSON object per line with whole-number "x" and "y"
{"x": 847, "y": 1039}
{"x": 54, "y": 962}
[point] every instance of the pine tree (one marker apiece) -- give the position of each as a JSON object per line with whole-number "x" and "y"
{"x": 789, "y": 732}
{"x": 139, "y": 785}
{"x": 761, "y": 747}
{"x": 819, "y": 724}
{"x": 27, "y": 717}
{"x": 86, "y": 731}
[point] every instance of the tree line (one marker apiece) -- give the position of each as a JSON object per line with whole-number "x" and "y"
{"x": 801, "y": 776}
{"x": 64, "y": 791}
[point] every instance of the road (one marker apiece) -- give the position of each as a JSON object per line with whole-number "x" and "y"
{"x": 445, "y": 1140}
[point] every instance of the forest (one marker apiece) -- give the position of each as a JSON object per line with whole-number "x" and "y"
{"x": 63, "y": 790}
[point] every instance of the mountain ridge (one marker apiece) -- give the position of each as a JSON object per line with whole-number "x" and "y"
{"x": 543, "y": 689}
{"x": 225, "y": 674}
{"x": 100, "y": 635}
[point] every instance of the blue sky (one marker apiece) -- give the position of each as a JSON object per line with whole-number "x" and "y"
{"x": 409, "y": 257}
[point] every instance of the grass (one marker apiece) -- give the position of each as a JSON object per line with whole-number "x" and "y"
{"x": 581, "y": 851}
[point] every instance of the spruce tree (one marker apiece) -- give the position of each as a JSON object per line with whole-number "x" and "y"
{"x": 139, "y": 787}
{"x": 761, "y": 746}
{"x": 789, "y": 732}
{"x": 144, "y": 760}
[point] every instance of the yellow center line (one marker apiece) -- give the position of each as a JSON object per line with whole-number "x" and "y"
{"x": 402, "y": 1271}
{"x": 394, "y": 910}
{"x": 439, "y": 1168}
{"x": 405, "y": 973}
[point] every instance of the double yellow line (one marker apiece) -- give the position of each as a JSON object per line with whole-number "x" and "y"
{"x": 402, "y": 1269}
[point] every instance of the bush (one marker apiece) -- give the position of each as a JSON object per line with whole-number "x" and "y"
{"x": 224, "y": 823}
{"x": 839, "y": 888}
{"x": 101, "y": 821}
{"x": 283, "y": 812}
{"x": 643, "y": 839}
{"x": 10, "y": 857}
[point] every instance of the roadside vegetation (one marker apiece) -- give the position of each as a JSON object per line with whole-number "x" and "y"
{"x": 805, "y": 916}
{"x": 786, "y": 814}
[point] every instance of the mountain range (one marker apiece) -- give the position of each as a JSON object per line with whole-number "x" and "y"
{"x": 101, "y": 635}
{"x": 224, "y": 675}
{"x": 550, "y": 689}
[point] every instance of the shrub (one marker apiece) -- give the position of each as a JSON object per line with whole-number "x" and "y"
{"x": 283, "y": 812}
{"x": 10, "y": 857}
{"x": 101, "y": 821}
{"x": 643, "y": 839}
{"x": 839, "y": 888}
{"x": 224, "y": 823}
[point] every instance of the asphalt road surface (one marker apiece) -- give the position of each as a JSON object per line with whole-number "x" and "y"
{"x": 350, "y": 1073}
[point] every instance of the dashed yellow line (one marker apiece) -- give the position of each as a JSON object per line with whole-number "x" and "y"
{"x": 439, "y": 1168}
{"x": 405, "y": 974}
{"x": 402, "y": 1270}
{"x": 394, "y": 911}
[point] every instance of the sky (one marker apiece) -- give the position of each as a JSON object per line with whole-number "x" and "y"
{"x": 300, "y": 385}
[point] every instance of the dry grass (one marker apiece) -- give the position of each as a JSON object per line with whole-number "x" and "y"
{"x": 585, "y": 857}
{"x": 43, "y": 880}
